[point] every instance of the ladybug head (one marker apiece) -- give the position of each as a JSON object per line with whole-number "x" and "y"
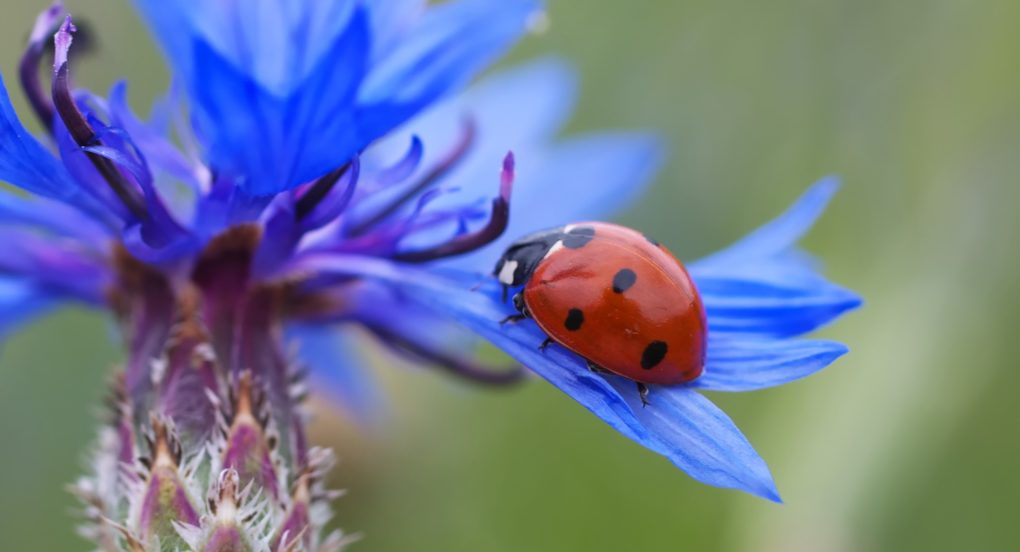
{"x": 522, "y": 257}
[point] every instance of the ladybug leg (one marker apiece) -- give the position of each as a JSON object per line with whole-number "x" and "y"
{"x": 596, "y": 368}
{"x": 642, "y": 390}
{"x": 512, "y": 319}
{"x": 545, "y": 344}
{"x": 522, "y": 309}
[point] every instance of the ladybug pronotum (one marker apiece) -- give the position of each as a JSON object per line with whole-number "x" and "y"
{"x": 613, "y": 296}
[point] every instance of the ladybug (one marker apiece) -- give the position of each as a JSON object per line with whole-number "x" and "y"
{"x": 611, "y": 295}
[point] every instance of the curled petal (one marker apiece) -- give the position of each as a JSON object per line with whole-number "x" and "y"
{"x": 28, "y": 69}
{"x": 585, "y": 178}
{"x": 137, "y": 239}
{"x": 424, "y": 185}
{"x": 328, "y": 197}
{"x": 111, "y": 164}
{"x": 280, "y": 235}
{"x": 403, "y": 168}
{"x": 159, "y": 150}
{"x": 750, "y": 364}
{"x": 84, "y": 173}
{"x": 158, "y": 230}
{"x": 466, "y": 242}
{"x": 120, "y": 157}
{"x": 78, "y": 126}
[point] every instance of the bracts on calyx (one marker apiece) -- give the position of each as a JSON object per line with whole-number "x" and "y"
{"x": 205, "y": 449}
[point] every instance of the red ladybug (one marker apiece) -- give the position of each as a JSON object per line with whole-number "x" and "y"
{"x": 613, "y": 296}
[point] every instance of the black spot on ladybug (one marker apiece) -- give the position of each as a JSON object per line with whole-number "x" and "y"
{"x": 575, "y": 318}
{"x": 651, "y": 240}
{"x": 653, "y": 355}
{"x": 578, "y": 237}
{"x": 623, "y": 280}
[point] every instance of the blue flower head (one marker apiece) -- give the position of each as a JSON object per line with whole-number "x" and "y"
{"x": 332, "y": 170}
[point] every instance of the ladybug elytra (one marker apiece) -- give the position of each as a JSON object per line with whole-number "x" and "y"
{"x": 613, "y": 296}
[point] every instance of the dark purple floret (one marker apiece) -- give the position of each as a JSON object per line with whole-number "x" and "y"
{"x": 318, "y": 191}
{"x": 82, "y": 132}
{"x": 453, "y": 158}
{"x": 28, "y": 68}
{"x": 466, "y": 243}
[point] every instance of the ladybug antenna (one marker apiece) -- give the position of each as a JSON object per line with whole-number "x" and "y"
{"x": 28, "y": 69}
{"x": 465, "y": 243}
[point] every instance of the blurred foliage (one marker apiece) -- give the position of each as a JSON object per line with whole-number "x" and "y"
{"x": 908, "y": 443}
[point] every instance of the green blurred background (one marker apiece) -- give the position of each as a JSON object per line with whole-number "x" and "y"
{"x": 910, "y": 442}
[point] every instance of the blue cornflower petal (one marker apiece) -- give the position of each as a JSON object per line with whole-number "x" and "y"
{"x": 679, "y": 424}
{"x": 481, "y": 312}
{"x": 20, "y": 302}
{"x": 750, "y": 364}
{"x": 451, "y": 43}
{"x": 338, "y": 370}
{"x": 397, "y": 322}
{"x": 259, "y": 75}
{"x": 84, "y": 173}
{"x": 273, "y": 42}
{"x": 390, "y": 20}
{"x": 152, "y": 139}
{"x": 373, "y": 304}
{"x": 50, "y": 216}
{"x": 700, "y": 439}
{"x": 762, "y": 285}
{"x": 25, "y": 163}
{"x": 63, "y": 266}
{"x": 275, "y": 141}
{"x": 746, "y": 302}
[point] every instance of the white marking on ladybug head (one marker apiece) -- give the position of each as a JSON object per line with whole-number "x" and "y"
{"x": 555, "y": 247}
{"x": 506, "y": 272}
